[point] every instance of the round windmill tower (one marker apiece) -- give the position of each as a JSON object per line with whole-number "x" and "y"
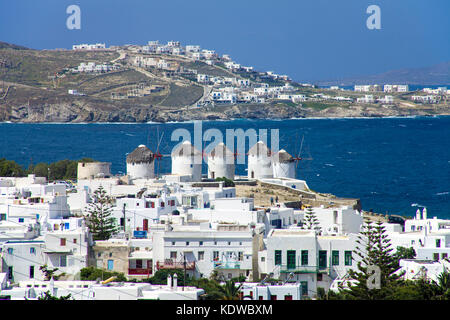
{"x": 283, "y": 165}
{"x": 220, "y": 162}
{"x": 140, "y": 163}
{"x": 187, "y": 160}
{"x": 259, "y": 162}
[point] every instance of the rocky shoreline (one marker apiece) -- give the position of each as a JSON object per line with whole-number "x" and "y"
{"x": 85, "y": 113}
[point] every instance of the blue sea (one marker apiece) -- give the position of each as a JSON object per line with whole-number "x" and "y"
{"x": 393, "y": 165}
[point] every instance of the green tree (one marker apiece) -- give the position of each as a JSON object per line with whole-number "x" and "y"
{"x": 92, "y": 274}
{"x": 227, "y": 182}
{"x": 405, "y": 253}
{"x": 48, "y": 296}
{"x": 9, "y": 168}
{"x": 40, "y": 170}
{"x": 374, "y": 249}
{"x": 310, "y": 221}
{"x": 50, "y": 273}
{"x": 229, "y": 290}
{"x": 99, "y": 216}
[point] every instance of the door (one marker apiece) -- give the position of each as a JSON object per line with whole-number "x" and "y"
{"x": 110, "y": 264}
{"x": 291, "y": 259}
{"x": 213, "y": 175}
{"x": 304, "y": 287}
{"x": 322, "y": 259}
{"x": 138, "y": 264}
{"x": 145, "y": 226}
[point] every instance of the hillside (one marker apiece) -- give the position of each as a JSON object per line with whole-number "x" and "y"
{"x": 434, "y": 75}
{"x": 48, "y": 86}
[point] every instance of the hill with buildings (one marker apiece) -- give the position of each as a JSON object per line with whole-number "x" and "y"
{"x": 169, "y": 82}
{"x": 438, "y": 74}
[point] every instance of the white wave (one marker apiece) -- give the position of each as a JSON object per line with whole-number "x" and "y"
{"x": 442, "y": 193}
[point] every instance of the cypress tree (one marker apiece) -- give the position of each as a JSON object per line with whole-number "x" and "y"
{"x": 374, "y": 249}
{"x": 310, "y": 221}
{"x": 99, "y": 220}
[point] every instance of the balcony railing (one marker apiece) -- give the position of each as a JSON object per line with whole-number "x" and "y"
{"x": 171, "y": 264}
{"x": 227, "y": 264}
{"x": 135, "y": 271}
{"x": 300, "y": 269}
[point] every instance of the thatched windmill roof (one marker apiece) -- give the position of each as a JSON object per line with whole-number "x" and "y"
{"x": 141, "y": 154}
{"x": 283, "y": 157}
{"x": 259, "y": 149}
{"x": 220, "y": 151}
{"x": 185, "y": 149}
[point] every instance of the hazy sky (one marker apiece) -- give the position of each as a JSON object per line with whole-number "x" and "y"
{"x": 306, "y": 39}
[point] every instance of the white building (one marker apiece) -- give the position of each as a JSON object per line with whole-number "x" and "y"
{"x": 259, "y": 161}
{"x": 187, "y": 161}
{"x": 221, "y": 162}
{"x": 141, "y": 163}
{"x": 283, "y": 165}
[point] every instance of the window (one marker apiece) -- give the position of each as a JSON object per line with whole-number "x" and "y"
{"x": 173, "y": 243}
{"x": 138, "y": 263}
{"x": 99, "y": 254}
{"x": 229, "y": 243}
{"x": 74, "y": 240}
{"x": 263, "y": 259}
{"x": 444, "y": 256}
{"x": 31, "y": 272}
{"x": 63, "y": 241}
{"x": 20, "y": 219}
{"x": 187, "y": 243}
{"x": 10, "y": 250}
{"x": 348, "y": 258}
{"x": 240, "y": 256}
{"x": 335, "y": 258}
{"x": 200, "y": 243}
{"x": 322, "y": 259}
{"x": 319, "y": 277}
{"x": 277, "y": 257}
{"x": 10, "y": 273}
{"x": 32, "y": 250}
{"x": 201, "y": 255}
{"x": 435, "y": 256}
{"x": 304, "y": 257}
{"x": 215, "y": 255}
{"x": 110, "y": 254}
{"x": 162, "y": 204}
{"x": 438, "y": 243}
{"x": 2, "y": 216}
{"x": 173, "y": 255}
{"x": 63, "y": 261}
{"x": 291, "y": 259}
{"x": 304, "y": 285}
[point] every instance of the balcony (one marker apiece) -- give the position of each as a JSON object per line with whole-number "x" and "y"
{"x": 171, "y": 264}
{"x": 227, "y": 264}
{"x": 300, "y": 269}
{"x": 138, "y": 272}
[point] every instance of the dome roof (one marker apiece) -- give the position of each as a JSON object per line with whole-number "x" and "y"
{"x": 259, "y": 149}
{"x": 185, "y": 149}
{"x": 141, "y": 154}
{"x": 283, "y": 157}
{"x": 220, "y": 151}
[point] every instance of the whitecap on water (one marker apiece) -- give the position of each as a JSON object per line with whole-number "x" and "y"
{"x": 442, "y": 193}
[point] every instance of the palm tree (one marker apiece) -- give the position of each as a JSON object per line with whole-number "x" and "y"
{"x": 230, "y": 291}
{"x": 443, "y": 286}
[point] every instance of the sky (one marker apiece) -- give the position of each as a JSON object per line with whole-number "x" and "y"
{"x": 305, "y": 39}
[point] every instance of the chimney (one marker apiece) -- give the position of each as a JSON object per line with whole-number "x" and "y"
{"x": 169, "y": 281}
{"x": 175, "y": 281}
